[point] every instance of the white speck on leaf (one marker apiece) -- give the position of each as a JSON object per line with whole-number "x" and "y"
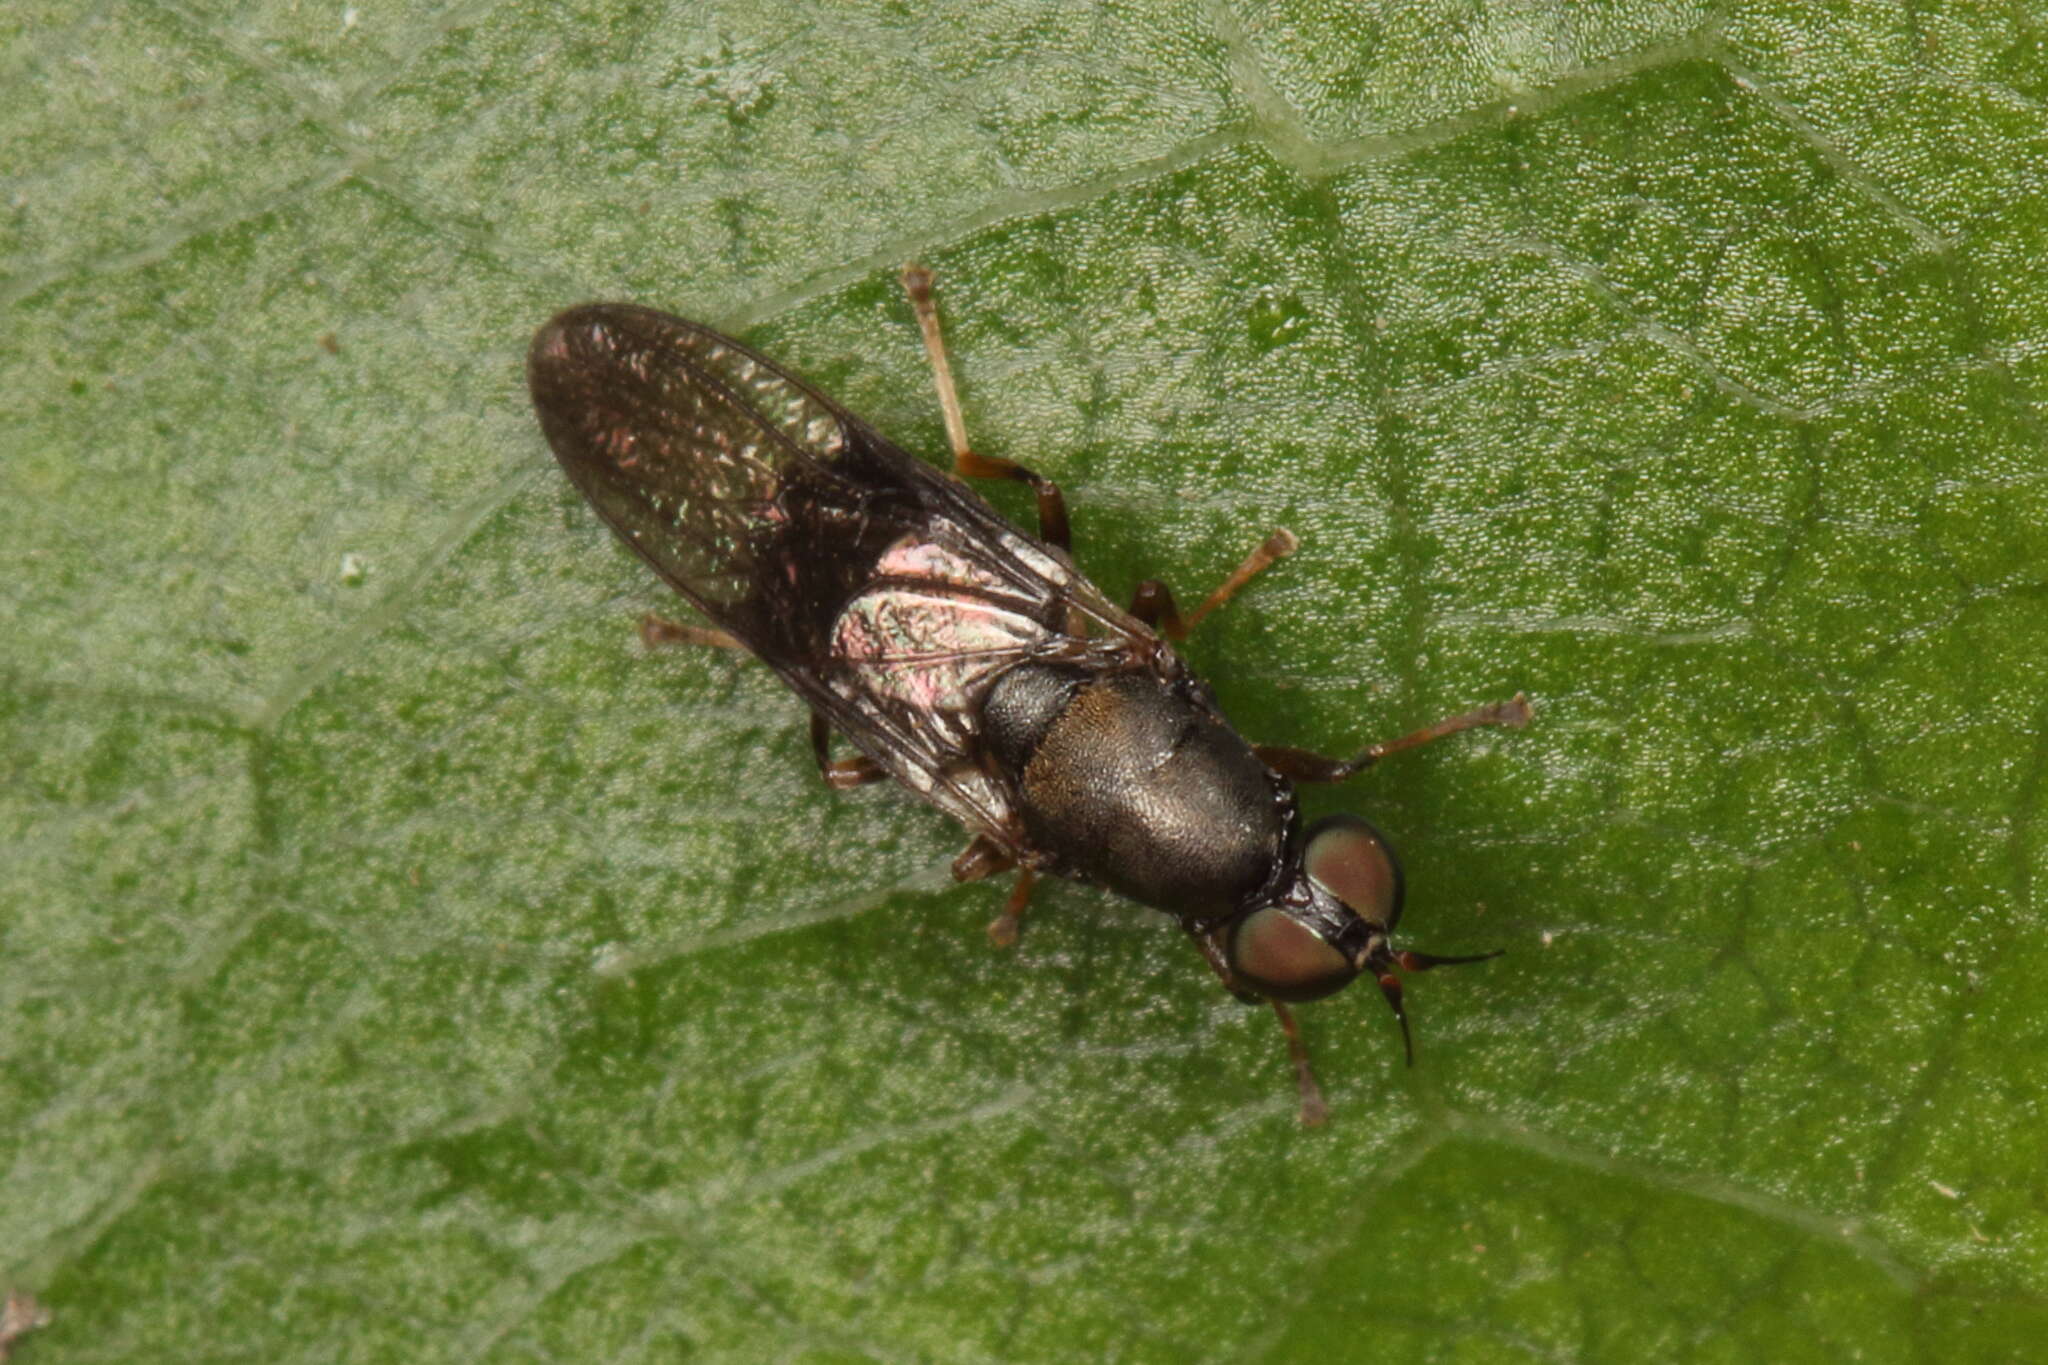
{"x": 740, "y": 82}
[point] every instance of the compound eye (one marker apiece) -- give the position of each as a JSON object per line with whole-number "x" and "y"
{"x": 1279, "y": 956}
{"x": 1350, "y": 859}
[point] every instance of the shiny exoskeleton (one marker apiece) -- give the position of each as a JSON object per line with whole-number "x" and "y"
{"x": 969, "y": 661}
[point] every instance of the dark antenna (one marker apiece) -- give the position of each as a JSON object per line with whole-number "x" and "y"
{"x": 1390, "y": 985}
{"x": 1422, "y": 962}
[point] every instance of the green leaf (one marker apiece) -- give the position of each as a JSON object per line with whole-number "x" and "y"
{"x": 398, "y": 964}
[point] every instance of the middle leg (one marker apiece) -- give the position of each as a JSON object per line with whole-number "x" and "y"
{"x": 1303, "y": 765}
{"x": 1153, "y": 602}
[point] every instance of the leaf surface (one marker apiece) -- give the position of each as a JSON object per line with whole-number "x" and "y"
{"x": 397, "y": 964}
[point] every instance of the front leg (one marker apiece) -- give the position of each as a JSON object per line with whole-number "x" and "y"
{"x": 1314, "y": 1112}
{"x": 1212, "y": 953}
{"x": 1301, "y": 765}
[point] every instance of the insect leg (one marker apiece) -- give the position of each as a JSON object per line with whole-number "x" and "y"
{"x": 842, "y": 773}
{"x": 1153, "y": 603}
{"x": 1212, "y": 953}
{"x": 1004, "y": 929}
{"x": 1052, "y": 505}
{"x": 1314, "y": 1113}
{"x": 656, "y": 631}
{"x": 1304, "y": 766}
{"x": 982, "y": 858}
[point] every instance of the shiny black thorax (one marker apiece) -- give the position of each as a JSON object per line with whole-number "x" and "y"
{"x": 1137, "y": 783}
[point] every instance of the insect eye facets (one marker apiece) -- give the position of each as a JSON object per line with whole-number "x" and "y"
{"x": 1284, "y": 958}
{"x": 1348, "y": 858}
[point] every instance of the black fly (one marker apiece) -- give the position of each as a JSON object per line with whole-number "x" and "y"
{"x": 969, "y": 661}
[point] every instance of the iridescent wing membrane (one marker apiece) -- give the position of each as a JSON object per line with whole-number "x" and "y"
{"x": 884, "y": 593}
{"x": 682, "y": 441}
